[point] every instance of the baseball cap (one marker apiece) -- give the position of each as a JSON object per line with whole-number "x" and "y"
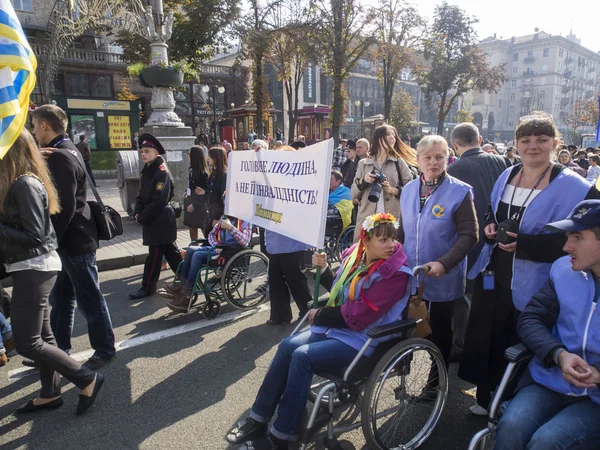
{"x": 585, "y": 215}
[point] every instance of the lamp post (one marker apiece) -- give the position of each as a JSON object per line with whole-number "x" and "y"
{"x": 220, "y": 90}
{"x": 362, "y": 105}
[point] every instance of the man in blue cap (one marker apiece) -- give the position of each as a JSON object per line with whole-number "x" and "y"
{"x": 558, "y": 399}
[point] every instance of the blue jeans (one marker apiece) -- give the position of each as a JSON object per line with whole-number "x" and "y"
{"x": 5, "y": 332}
{"x": 288, "y": 380}
{"x": 195, "y": 258}
{"x": 78, "y": 282}
{"x": 541, "y": 419}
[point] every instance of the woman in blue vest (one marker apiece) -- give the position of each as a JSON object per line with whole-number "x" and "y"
{"x": 371, "y": 289}
{"x": 519, "y": 252}
{"x": 439, "y": 228}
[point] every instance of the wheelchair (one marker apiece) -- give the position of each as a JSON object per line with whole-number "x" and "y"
{"x": 399, "y": 391}
{"x": 337, "y": 238}
{"x": 518, "y": 357}
{"x": 237, "y": 275}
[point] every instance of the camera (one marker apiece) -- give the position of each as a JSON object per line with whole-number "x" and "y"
{"x": 376, "y": 187}
{"x": 505, "y": 226}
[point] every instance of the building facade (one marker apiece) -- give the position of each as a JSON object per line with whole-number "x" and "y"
{"x": 548, "y": 73}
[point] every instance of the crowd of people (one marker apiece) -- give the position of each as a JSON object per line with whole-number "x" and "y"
{"x": 491, "y": 230}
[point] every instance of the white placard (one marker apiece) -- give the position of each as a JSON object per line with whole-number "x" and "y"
{"x": 285, "y": 192}
{"x": 174, "y": 155}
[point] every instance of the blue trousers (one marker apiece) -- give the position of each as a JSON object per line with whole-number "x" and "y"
{"x": 195, "y": 258}
{"x": 539, "y": 418}
{"x": 288, "y": 380}
{"x": 78, "y": 282}
{"x": 5, "y": 332}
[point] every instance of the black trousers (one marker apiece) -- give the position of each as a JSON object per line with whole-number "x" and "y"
{"x": 285, "y": 276}
{"x": 30, "y": 316}
{"x": 441, "y": 315}
{"x": 88, "y": 167}
{"x": 154, "y": 262}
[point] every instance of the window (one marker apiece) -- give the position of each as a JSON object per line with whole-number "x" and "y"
{"x": 516, "y": 57}
{"x": 559, "y": 66}
{"x": 542, "y": 94}
{"x": 513, "y": 83}
{"x": 89, "y": 85}
{"x": 511, "y": 110}
{"x": 530, "y": 54}
{"x": 510, "y": 123}
{"x": 512, "y": 97}
{"x": 560, "y": 52}
{"x": 544, "y": 67}
{"x": 546, "y": 52}
{"x": 500, "y": 103}
{"x": 22, "y": 5}
{"x": 515, "y": 70}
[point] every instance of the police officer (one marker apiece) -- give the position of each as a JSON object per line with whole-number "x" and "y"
{"x": 155, "y": 214}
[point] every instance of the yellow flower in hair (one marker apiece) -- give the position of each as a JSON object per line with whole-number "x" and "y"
{"x": 437, "y": 210}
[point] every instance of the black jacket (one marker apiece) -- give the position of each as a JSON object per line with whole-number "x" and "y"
{"x": 349, "y": 171}
{"x": 75, "y": 227}
{"x": 25, "y": 227}
{"x": 216, "y": 188}
{"x": 152, "y": 204}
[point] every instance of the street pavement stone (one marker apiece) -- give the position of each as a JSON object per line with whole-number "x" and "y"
{"x": 180, "y": 392}
{"x": 125, "y": 250}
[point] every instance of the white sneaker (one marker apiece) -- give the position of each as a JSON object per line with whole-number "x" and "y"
{"x": 478, "y": 410}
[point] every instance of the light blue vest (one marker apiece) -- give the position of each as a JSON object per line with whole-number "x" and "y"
{"x": 553, "y": 203}
{"x": 229, "y": 238}
{"x": 430, "y": 234}
{"x": 356, "y": 339}
{"x": 577, "y": 327}
{"x": 278, "y": 243}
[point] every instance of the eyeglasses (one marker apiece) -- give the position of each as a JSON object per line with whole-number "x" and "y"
{"x": 541, "y": 115}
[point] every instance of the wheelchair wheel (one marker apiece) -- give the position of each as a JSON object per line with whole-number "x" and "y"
{"x": 244, "y": 279}
{"x": 345, "y": 240}
{"x": 405, "y": 396}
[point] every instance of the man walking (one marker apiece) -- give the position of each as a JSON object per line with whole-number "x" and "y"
{"x": 339, "y": 156}
{"x": 86, "y": 153}
{"x": 480, "y": 170}
{"x": 77, "y": 242}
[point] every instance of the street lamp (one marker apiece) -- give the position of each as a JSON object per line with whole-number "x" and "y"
{"x": 362, "y": 113}
{"x": 220, "y": 90}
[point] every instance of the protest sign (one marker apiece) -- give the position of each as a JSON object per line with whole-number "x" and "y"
{"x": 285, "y": 192}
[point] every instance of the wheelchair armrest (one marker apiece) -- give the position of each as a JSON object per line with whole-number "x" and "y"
{"x": 392, "y": 328}
{"x": 518, "y": 353}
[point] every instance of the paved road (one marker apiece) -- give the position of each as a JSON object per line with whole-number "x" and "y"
{"x": 173, "y": 391}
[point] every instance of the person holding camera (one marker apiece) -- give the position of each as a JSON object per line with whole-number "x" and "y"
{"x": 156, "y": 215}
{"x": 438, "y": 229}
{"x": 515, "y": 262}
{"x": 381, "y": 175}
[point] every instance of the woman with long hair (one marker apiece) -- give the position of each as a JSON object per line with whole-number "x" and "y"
{"x": 389, "y": 157}
{"x": 196, "y": 199}
{"x": 217, "y": 183}
{"x": 28, "y": 250}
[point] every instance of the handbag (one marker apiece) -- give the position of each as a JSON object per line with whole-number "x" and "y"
{"x": 109, "y": 223}
{"x": 417, "y": 309}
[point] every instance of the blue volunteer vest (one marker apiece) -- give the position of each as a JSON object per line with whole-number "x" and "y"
{"x": 228, "y": 239}
{"x": 553, "y": 203}
{"x": 577, "y": 327}
{"x": 430, "y": 234}
{"x": 356, "y": 339}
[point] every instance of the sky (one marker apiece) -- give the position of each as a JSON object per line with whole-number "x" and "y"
{"x": 509, "y": 18}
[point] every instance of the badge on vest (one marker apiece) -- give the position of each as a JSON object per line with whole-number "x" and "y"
{"x": 437, "y": 210}
{"x": 162, "y": 167}
{"x": 160, "y": 186}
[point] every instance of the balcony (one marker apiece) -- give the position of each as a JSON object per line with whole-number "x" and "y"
{"x": 566, "y": 89}
{"x": 526, "y": 101}
{"x": 567, "y": 74}
{"x": 591, "y": 69}
{"x": 529, "y": 60}
{"x": 565, "y": 101}
{"x": 528, "y": 73}
{"x": 569, "y": 60}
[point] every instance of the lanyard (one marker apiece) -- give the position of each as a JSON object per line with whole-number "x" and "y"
{"x": 517, "y": 215}
{"x": 61, "y": 141}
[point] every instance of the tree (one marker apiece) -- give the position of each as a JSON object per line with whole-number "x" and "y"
{"x": 292, "y": 51}
{"x": 457, "y": 66}
{"x": 463, "y": 116}
{"x": 125, "y": 93}
{"x": 343, "y": 30}
{"x": 399, "y": 31}
{"x": 403, "y": 111}
{"x": 199, "y": 26}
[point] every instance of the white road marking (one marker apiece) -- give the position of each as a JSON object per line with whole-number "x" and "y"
{"x": 23, "y": 372}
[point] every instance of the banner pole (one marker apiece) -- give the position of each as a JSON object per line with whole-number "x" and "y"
{"x": 317, "y": 284}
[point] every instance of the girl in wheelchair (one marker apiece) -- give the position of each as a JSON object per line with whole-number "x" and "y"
{"x": 228, "y": 232}
{"x": 371, "y": 288}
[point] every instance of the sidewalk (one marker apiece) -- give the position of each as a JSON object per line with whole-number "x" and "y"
{"x": 125, "y": 250}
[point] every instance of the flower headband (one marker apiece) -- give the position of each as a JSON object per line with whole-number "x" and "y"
{"x": 375, "y": 220}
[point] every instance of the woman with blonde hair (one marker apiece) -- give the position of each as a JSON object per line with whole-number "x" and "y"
{"x": 390, "y": 157}
{"x": 28, "y": 251}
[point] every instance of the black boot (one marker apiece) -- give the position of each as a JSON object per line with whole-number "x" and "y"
{"x": 268, "y": 442}
{"x": 247, "y": 430}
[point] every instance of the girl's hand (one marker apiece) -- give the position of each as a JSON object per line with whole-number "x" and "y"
{"x": 369, "y": 178}
{"x": 512, "y": 247}
{"x": 199, "y": 191}
{"x": 490, "y": 231}
{"x": 319, "y": 260}
{"x": 389, "y": 189}
{"x": 311, "y": 315}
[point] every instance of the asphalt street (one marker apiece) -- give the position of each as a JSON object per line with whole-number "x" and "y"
{"x": 178, "y": 382}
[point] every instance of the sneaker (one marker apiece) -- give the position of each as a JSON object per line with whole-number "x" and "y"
{"x": 173, "y": 289}
{"x": 478, "y": 410}
{"x": 181, "y": 303}
{"x": 97, "y": 362}
{"x": 247, "y": 430}
{"x": 268, "y": 442}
